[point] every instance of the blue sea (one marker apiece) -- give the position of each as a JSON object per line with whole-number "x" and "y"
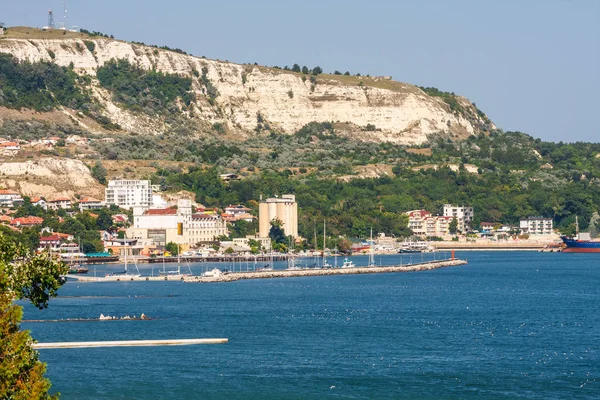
{"x": 509, "y": 325}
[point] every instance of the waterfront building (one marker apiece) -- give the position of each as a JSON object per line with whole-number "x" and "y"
{"x": 283, "y": 208}
{"x": 423, "y": 223}
{"x": 51, "y": 243}
{"x": 10, "y": 198}
{"x": 129, "y": 193}
{"x": 59, "y": 203}
{"x": 537, "y": 226}
{"x": 161, "y": 225}
{"x": 464, "y": 215}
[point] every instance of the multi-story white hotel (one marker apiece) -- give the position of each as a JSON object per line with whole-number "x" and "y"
{"x": 464, "y": 215}
{"x": 283, "y": 208}
{"x": 537, "y": 226}
{"x": 128, "y": 193}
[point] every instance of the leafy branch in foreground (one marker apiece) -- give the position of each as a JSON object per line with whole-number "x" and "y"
{"x": 36, "y": 278}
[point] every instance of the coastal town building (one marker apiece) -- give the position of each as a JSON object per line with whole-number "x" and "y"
{"x": 464, "y": 215}
{"x": 128, "y": 193}
{"x": 537, "y": 226}
{"x": 51, "y": 243}
{"x": 26, "y": 221}
{"x": 10, "y": 198}
{"x": 283, "y": 208}
{"x": 39, "y": 202}
{"x": 423, "y": 223}
{"x": 237, "y": 213}
{"x": 9, "y": 148}
{"x": 88, "y": 204}
{"x": 59, "y": 203}
{"x": 161, "y": 225}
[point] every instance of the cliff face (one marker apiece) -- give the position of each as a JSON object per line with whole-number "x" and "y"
{"x": 401, "y": 113}
{"x": 50, "y": 178}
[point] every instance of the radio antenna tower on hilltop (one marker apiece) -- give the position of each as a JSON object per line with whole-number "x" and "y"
{"x": 64, "y": 23}
{"x": 50, "y": 19}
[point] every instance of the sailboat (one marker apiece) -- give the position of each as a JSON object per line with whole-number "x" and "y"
{"x": 371, "y": 255}
{"x": 76, "y": 268}
{"x": 125, "y": 275}
{"x": 325, "y": 263}
{"x": 176, "y": 273}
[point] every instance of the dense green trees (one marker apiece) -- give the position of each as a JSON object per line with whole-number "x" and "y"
{"x": 141, "y": 90}
{"x": 40, "y": 86}
{"x": 23, "y": 276}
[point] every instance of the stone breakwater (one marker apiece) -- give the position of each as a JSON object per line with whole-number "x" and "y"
{"x": 236, "y": 276}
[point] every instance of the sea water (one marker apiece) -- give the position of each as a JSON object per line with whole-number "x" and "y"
{"x": 507, "y": 325}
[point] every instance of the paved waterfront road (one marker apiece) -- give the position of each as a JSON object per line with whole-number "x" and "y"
{"x": 508, "y": 325}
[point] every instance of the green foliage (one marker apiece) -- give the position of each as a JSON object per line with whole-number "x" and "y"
{"x": 150, "y": 92}
{"x": 172, "y": 248}
{"x": 41, "y": 86}
{"x": 99, "y": 172}
{"x": 290, "y": 94}
{"x": 453, "y": 226}
{"x": 211, "y": 90}
{"x": 91, "y": 46}
{"x": 23, "y": 276}
{"x": 449, "y": 98}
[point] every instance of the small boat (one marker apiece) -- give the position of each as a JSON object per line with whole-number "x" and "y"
{"x": 214, "y": 273}
{"x": 348, "y": 264}
{"x": 78, "y": 269}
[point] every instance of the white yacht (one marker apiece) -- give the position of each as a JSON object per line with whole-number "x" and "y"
{"x": 348, "y": 264}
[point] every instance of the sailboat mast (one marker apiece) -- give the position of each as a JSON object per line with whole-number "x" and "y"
{"x": 324, "y": 229}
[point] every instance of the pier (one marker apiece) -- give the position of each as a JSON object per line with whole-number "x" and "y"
{"x": 288, "y": 273}
{"x": 277, "y": 273}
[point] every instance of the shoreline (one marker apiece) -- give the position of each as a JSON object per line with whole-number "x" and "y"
{"x": 286, "y": 273}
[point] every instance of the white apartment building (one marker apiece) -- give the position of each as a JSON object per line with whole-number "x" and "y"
{"x": 128, "y": 193}
{"x": 283, "y": 208}
{"x": 423, "y": 223}
{"x": 537, "y": 226}
{"x": 160, "y": 225}
{"x": 464, "y": 215}
{"x": 10, "y": 198}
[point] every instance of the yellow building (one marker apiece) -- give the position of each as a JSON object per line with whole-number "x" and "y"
{"x": 283, "y": 208}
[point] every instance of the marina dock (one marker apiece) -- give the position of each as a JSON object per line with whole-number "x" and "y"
{"x": 277, "y": 273}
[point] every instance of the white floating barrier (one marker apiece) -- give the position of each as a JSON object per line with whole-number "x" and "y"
{"x": 128, "y": 343}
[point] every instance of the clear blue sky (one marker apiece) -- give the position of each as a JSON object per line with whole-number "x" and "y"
{"x": 531, "y": 65}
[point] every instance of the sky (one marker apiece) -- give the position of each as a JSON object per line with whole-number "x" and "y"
{"x": 531, "y": 65}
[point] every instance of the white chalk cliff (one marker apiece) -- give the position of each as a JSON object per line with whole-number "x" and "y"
{"x": 402, "y": 113}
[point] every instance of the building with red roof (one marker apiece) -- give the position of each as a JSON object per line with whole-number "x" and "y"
{"x": 27, "y": 221}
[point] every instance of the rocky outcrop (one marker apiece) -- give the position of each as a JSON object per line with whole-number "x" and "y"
{"x": 50, "y": 178}
{"x": 400, "y": 112}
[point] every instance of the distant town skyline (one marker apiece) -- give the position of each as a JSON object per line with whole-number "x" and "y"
{"x": 530, "y": 66}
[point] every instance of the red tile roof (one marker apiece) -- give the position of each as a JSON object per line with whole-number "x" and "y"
{"x": 36, "y": 199}
{"x": 8, "y": 144}
{"x": 53, "y": 238}
{"x": 27, "y": 221}
{"x": 5, "y": 191}
{"x": 89, "y": 200}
